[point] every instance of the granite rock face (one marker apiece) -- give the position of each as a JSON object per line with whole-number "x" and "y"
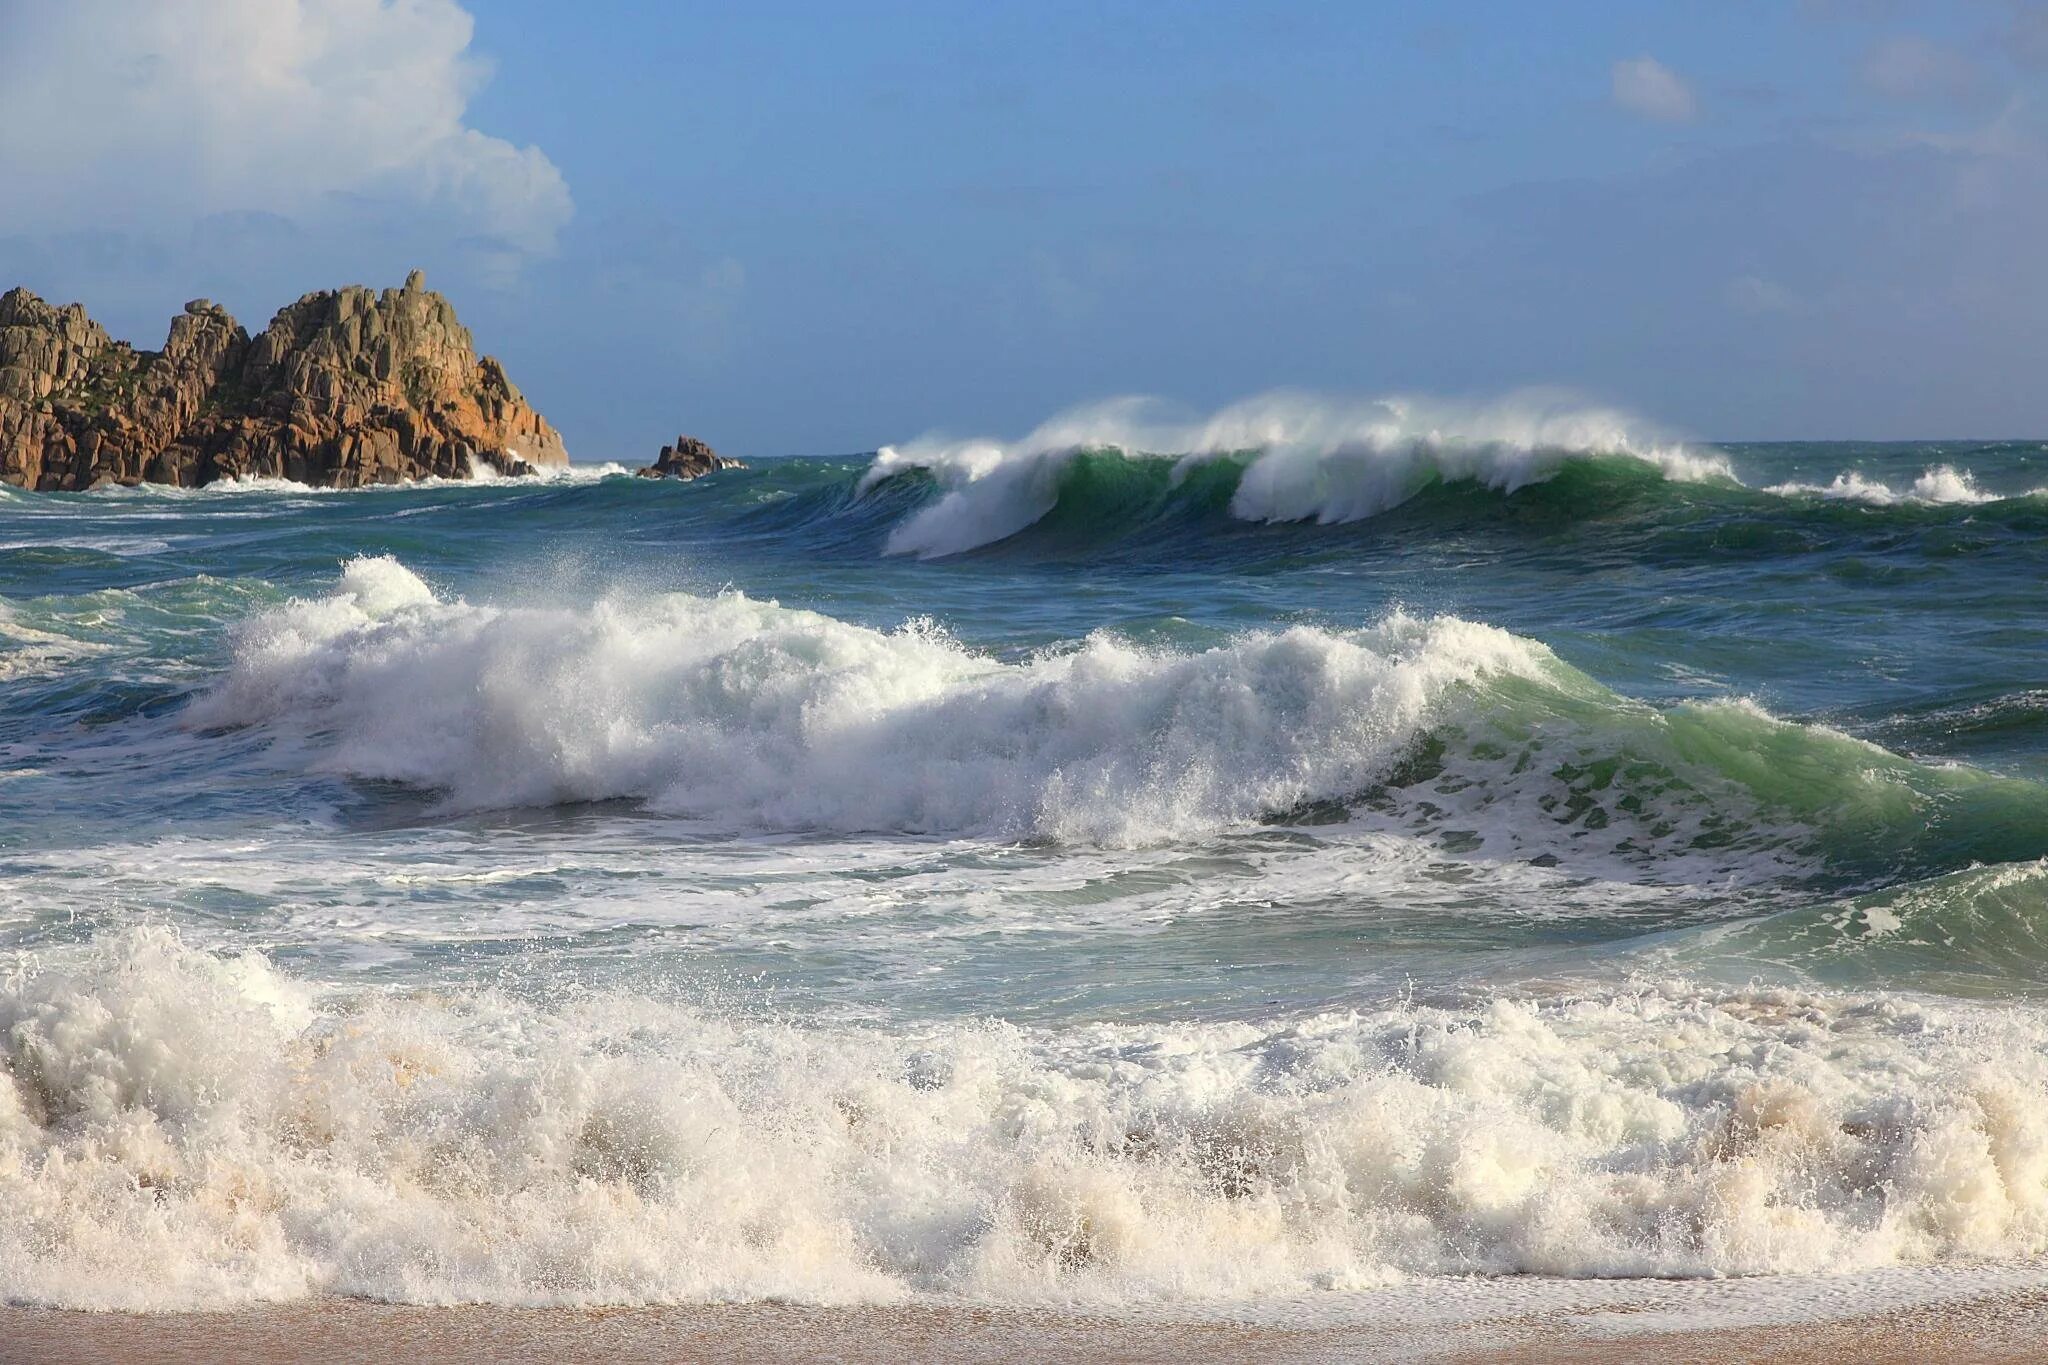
{"x": 688, "y": 458}
{"x": 346, "y": 387}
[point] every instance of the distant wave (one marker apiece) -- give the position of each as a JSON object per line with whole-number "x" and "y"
{"x": 753, "y": 717}
{"x": 1125, "y": 465}
{"x": 1938, "y": 484}
{"x": 1303, "y": 459}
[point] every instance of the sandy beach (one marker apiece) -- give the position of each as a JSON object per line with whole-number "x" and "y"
{"x": 1704, "y": 1323}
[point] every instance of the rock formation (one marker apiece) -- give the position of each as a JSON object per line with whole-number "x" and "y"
{"x": 688, "y": 458}
{"x": 345, "y": 387}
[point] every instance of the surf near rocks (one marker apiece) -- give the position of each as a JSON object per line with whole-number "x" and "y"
{"x": 345, "y": 387}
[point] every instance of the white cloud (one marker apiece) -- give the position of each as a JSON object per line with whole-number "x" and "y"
{"x": 1643, "y": 85}
{"x": 137, "y": 115}
{"x": 1907, "y": 67}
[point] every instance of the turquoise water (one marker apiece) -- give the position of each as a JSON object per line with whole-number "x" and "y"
{"x": 1042, "y": 871}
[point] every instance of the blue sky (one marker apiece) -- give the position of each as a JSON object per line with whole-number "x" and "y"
{"x": 821, "y": 227}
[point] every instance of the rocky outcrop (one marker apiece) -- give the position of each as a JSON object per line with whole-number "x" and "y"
{"x": 345, "y": 387}
{"x": 688, "y": 458}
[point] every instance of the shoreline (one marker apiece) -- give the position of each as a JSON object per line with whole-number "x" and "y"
{"x": 1965, "y": 1316}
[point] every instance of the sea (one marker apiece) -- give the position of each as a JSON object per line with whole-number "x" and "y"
{"x": 1267, "y": 856}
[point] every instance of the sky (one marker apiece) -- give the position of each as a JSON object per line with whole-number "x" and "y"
{"x": 817, "y": 227}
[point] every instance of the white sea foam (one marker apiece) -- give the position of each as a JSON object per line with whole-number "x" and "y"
{"x": 1936, "y": 484}
{"x": 27, "y": 651}
{"x": 752, "y": 715}
{"x": 113, "y": 545}
{"x": 179, "y": 1129}
{"x": 482, "y": 471}
{"x": 1312, "y": 459}
{"x": 482, "y": 475}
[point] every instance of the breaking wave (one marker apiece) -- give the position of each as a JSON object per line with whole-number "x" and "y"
{"x": 752, "y": 717}
{"x": 1297, "y": 459}
{"x": 1127, "y": 467}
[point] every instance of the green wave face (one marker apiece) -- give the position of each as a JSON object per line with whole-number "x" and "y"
{"x": 1980, "y": 931}
{"x": 1107, "y": 495}
{"x": 1217, "y": 506}
{"x": 1560, "y": 768}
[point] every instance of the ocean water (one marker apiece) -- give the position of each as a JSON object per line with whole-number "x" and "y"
{"x": 1348, "y": 846}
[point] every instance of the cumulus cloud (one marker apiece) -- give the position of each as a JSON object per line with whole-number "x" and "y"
{"x": 1643, "y": 85}
{"x": 139, "y": 115}
{"x": 1908, "y": 67}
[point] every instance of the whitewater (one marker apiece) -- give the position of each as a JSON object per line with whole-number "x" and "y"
{"x": 1167, "y": 861}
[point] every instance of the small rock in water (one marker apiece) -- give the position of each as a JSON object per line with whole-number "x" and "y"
{"x": 688, "y": 458}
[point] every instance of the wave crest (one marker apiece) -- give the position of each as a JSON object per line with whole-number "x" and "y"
{"x": 746, "y": 713}
{"x": 1305, "y": 459}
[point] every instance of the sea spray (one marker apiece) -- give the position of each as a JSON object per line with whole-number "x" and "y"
{"x": 750, "y": 715}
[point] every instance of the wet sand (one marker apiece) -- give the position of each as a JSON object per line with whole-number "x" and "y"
{"x": 2005, "y": 1326}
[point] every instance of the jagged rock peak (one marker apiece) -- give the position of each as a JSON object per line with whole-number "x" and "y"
{"x": 43, "y": 349}
{"x": 344, "y": 387}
